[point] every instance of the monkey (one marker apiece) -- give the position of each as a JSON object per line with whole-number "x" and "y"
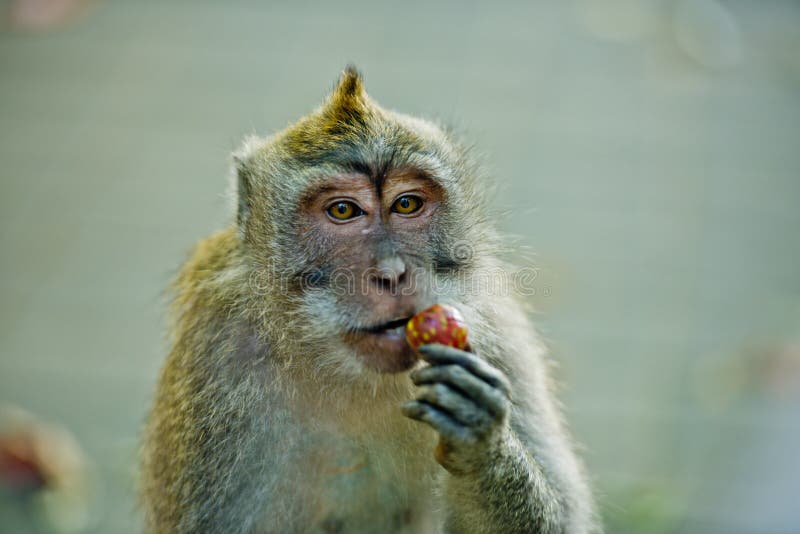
{"x": 290, "y": 401}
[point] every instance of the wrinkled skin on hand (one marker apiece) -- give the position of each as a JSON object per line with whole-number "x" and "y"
{"x": 467, "y": 401}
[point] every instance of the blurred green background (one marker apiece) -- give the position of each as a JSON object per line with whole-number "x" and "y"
{"x": 647, "y": 151}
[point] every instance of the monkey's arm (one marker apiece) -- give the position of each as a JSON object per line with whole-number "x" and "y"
{"x": 211, "y": 427}
{"x": 202, "y": 454}
{"x": 496, "y": 484}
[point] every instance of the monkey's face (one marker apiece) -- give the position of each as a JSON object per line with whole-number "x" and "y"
{"x": 352, "y": 218}
{"x": 368, "y": 240}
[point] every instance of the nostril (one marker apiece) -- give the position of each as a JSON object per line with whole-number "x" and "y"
{"x": 384, "y": 283}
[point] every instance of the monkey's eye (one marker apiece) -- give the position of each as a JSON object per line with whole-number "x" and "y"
{"x": 344, "y": 210}
{"x": 407, "y": 204}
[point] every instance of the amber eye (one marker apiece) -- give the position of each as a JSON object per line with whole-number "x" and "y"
{"x": 344, "y": 210}
{"x": 407, "y": 204}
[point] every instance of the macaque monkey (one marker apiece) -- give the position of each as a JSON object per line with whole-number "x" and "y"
{"x": 290, "y": 401}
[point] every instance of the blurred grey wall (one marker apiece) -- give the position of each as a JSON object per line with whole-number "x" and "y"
{"x": 646, "y": 151}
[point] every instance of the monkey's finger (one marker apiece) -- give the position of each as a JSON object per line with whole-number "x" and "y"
{"x": 461, "y": 408}
{"x": 440, "y": 354}
{"x": 481, "y": 393}
{"x": 437, "y": 419}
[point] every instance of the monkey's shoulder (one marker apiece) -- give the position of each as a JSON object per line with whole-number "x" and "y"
{"x": 211, "y": 274}
{"x": 211, "y": 256}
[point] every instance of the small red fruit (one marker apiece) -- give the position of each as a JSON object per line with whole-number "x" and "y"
{"x": 438, "y": 324}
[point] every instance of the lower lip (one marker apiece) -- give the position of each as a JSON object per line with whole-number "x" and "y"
{"x": 393, "y": 339}
{"x": 386, "y": 350}
{"x": 398, "y": 332}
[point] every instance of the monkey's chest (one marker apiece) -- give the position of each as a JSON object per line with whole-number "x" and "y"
{"x": 368, "y": 489}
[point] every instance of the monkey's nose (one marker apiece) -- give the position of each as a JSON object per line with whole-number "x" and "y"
{"x": 391, "y": 270}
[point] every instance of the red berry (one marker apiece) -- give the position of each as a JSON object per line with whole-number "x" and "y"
{"x": 438, "y": 324}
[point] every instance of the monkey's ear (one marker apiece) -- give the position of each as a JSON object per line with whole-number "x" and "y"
{"x": 242, "y": 162}
{"x": 244, "y": 192}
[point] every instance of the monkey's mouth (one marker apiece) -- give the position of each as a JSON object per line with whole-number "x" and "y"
{"x": 383, "y": 346}
{"x": 389, "y": 327}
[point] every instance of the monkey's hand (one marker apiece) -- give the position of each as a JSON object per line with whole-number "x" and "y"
{"x": 467, "y": 401}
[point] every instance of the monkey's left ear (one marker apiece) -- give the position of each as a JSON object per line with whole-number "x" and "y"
{"x": 243, "y": 195}
{"x": 244, "y": 179}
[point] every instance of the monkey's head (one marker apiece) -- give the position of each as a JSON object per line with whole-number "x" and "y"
{"x": 352, "y": 220}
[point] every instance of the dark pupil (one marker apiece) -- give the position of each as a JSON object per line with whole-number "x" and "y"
{"x": 342, "y": 208}
{"x": 405, "y": 202}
